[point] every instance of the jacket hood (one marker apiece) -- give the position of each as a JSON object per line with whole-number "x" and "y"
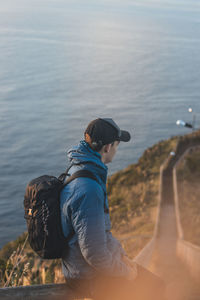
{"x": 90, "y": 159}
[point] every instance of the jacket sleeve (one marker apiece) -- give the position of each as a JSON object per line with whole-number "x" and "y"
{"x": 115, "y": 245}
{"x": 89, "y": 225}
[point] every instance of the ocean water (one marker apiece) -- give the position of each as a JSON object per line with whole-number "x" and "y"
{"x": 64, "y": 63}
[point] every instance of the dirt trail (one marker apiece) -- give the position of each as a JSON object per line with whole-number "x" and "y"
{"x": 180, "y": 285}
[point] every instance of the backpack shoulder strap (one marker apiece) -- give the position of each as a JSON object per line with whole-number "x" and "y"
{"x": 66, "y": 173}
{"x": 87, "y": 174}
{"x": 81, "y": 173}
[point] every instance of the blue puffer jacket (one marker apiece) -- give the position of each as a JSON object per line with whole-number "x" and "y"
{"x": 92, "y": 248}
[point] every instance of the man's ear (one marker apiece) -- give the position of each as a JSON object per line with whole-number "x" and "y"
{"x": 107, "y": 148}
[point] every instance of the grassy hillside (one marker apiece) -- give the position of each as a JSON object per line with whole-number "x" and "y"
{"x": 133, "y": 198}
{"x": 188, "y": 175}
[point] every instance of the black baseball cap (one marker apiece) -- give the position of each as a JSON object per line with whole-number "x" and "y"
{"x": 106, "y": 131}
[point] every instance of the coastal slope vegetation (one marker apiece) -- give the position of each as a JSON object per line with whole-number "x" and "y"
{"x": 188, "y": 176}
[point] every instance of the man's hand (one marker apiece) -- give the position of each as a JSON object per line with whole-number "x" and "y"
{"x": 133, "y": 266}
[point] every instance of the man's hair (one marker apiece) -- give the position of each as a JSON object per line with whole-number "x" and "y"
{"x": 96, "y": 146}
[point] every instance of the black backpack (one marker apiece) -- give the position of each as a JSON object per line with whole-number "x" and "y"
{"x": 42, "y": 213}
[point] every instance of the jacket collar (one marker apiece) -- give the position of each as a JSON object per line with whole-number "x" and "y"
{"x": 90, "y": 159}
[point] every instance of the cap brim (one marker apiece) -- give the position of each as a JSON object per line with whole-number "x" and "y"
{"x": 125, "y": 136}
